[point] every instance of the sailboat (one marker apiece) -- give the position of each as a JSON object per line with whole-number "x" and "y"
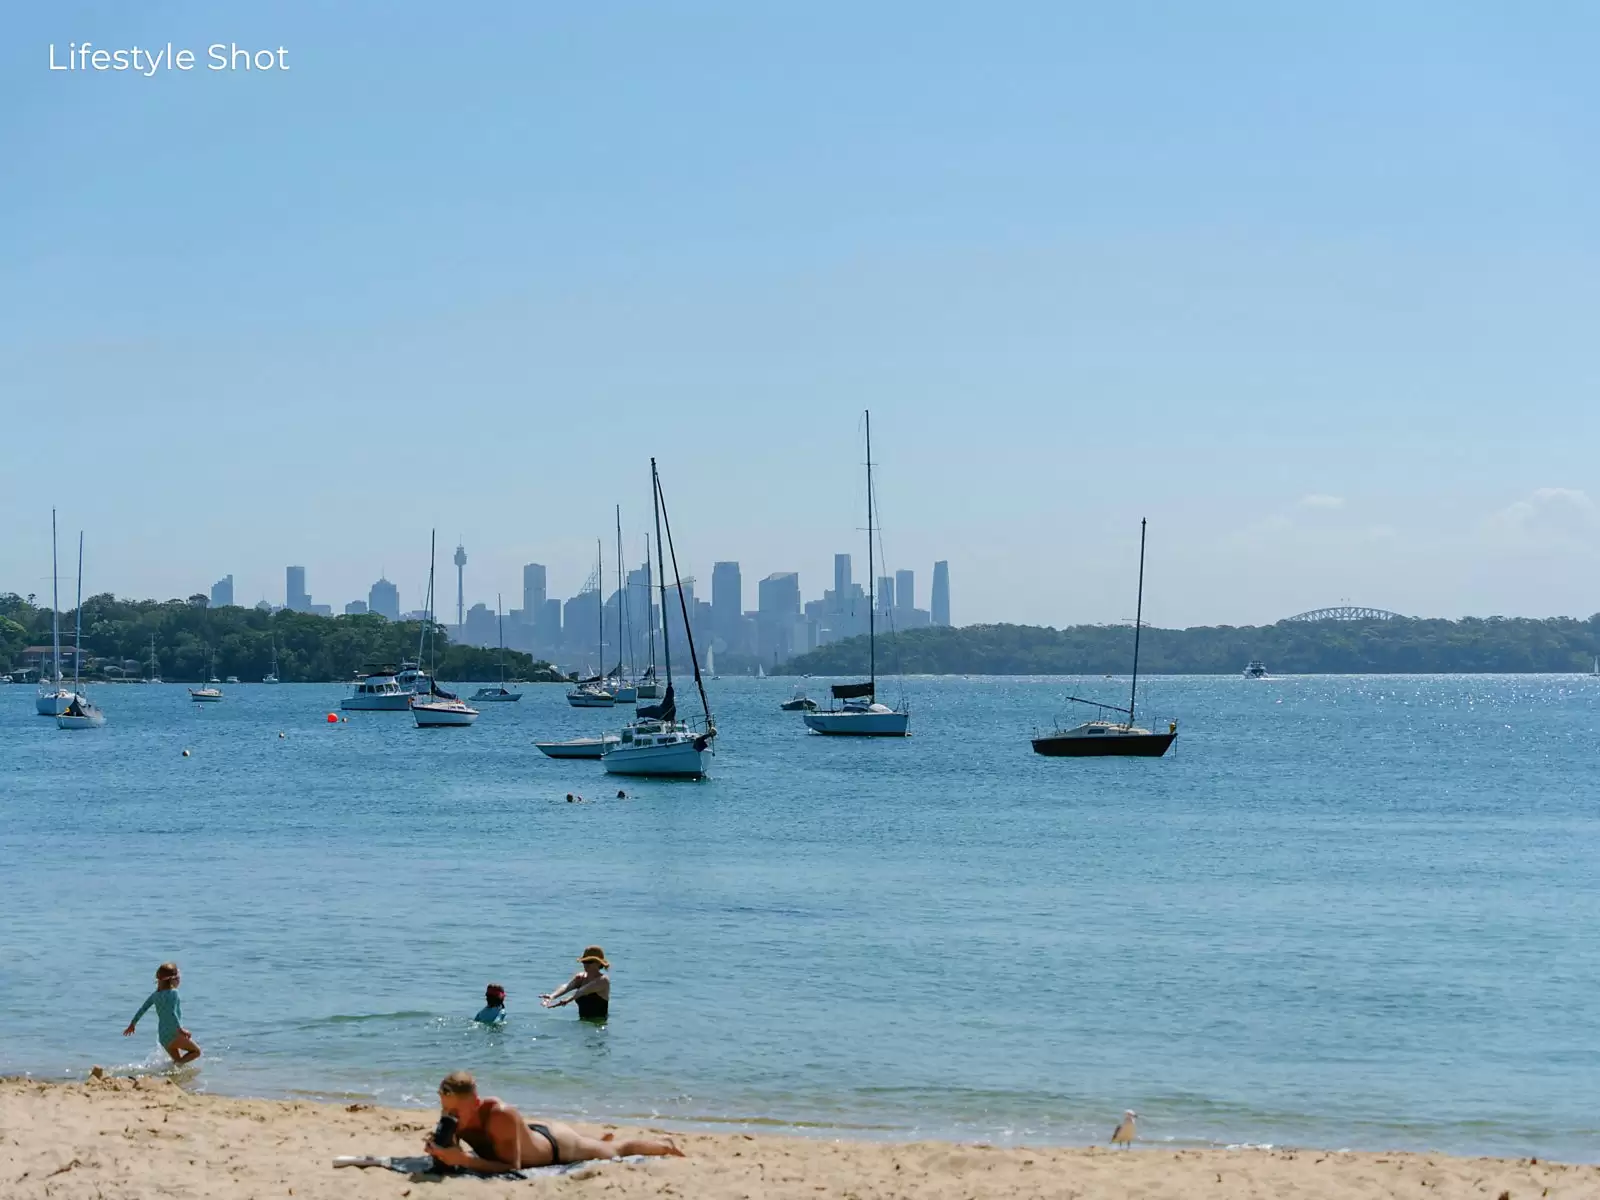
{"x": 592, "y": 693}
{"x": 272, "y": 675}
{"x": 208, "y": 694}
{"x": 80, "y": 713}
{"x": 1100, "y": 738}
{"x": 657, "y": 743}
{"x": 54, "y": 695}
{"x": 860, "y": 714}
{"x": 155, "y": 676}
{"x": 437, "y": 708}
{"x": 501, "y": 694}
{"x": 711, "y": 662}
{"x": 649, "y": 687}
{"x": 1596, "y": 670}
{"x": 626, "y": 689}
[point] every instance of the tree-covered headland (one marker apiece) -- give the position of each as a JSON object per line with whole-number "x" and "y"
{"x": 311, "y": 648}
{"x": 1397, "y": 645}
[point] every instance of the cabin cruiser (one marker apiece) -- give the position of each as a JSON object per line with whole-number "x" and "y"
{"x": 377, "y": 692}
{"x": 1255, "y": 670}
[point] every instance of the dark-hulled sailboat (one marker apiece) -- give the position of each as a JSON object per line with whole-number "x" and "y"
{"x": 856, "y": 711}
{"x": 1107, "y": 738}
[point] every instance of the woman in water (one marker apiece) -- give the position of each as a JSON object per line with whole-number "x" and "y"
{"x": 590, "y": 987}
{"x": 494, "y": 1006}
{"x": 175, "y": 1039}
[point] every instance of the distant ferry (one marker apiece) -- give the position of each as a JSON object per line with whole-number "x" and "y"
{"x": 1255, "y": 670}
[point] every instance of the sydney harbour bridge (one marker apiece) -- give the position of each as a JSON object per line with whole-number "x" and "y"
{"x": 1345, "y": 612}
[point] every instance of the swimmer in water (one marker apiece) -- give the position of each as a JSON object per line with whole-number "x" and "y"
{"x": 590, "y": 987}
{"x": 175, "y": 1039}
{"x": 494, "y": 1006}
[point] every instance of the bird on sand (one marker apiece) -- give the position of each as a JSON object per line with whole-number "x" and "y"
{"x": 1126, "y": 1131}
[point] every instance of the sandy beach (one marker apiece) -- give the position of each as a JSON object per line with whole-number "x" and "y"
{"x": 110, "y": 1138}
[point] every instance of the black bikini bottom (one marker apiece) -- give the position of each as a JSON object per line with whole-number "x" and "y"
{"x": 555, "y": 1150}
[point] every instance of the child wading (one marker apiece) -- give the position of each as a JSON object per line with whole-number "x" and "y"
{"x": 175, "y": 1039}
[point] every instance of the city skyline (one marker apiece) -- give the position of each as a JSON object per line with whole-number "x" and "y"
{"x": 1309, "y": 292}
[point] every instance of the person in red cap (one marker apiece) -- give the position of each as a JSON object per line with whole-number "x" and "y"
{"x": 494, "y": 1005}
{"x": 590, "y": 987}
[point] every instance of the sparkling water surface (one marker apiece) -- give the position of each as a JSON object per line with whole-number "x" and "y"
{"x": 1344, "y": 912}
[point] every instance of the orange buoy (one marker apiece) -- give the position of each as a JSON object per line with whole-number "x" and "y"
{"x": 333, "y": 718}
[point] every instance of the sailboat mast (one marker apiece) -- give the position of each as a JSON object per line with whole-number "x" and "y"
{"x": 501, "y": 621}
{"x": 1138, "y": 618}
{"x": 872, "y": 577}
{"x": 600, "y": 600}
{"x": 77, "y": 621}
{"x": 648, "y": 601}
{"x": 427, "y": 627}
{"x": 55, "y": 600}
{"x": 683, "y": 607}
{"x": 623, "y": 640}
{"x": 666, "y": 639}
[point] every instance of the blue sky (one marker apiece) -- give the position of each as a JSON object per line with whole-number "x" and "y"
{"x": 1314, "y": 291}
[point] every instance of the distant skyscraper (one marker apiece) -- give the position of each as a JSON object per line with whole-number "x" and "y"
{"x": 296, "y": 598}
{"x": 533, "y": 592}
{"x": 778, "y": 595}
{"x": 727, "y": 600}
{"x": 547, "y": 626}
{"x": 885, "y": 597}
{"x": 355, "y": 608}
{"x": 841, "y": 576}
{"x": 383, "y": 598}
{"x": 222, "y": 592}
{"x": 461, "y": 591}
{"x": 941, "y": 593}
{"x": 905, "y": 590}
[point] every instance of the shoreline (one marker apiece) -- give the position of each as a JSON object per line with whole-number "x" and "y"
{"x": 145, "y": 1137}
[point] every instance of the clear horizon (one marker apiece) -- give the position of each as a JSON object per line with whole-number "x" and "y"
{"x": 1310, "y": 291}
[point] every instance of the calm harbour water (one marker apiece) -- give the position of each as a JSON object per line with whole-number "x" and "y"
{"x": 1346, "y": 912}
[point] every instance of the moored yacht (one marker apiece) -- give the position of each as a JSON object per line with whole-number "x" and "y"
{"x": 54, "y": 694}
{"x": 856, "y": 711}
{"x": 590, "y": 695}
{"x": 80, "y": 712}
{"x": 501, "y": 694}
{"x": 440, "y": 710}
{"x": 377, "y": 691}
{"x": 586, "y": 747}
{"x": 1255, "y": 669}
{"x": 657, "y": 743}
{"x": 1108, "y": 738}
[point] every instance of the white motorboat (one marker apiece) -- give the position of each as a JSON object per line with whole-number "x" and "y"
{"x": 440, "y": 711}
{"x": 1255, "y": 669}
{"x": 588, "y": 747}
{"x": 54, "y": 694}
{"x": 377, "y": 691}
{"x": 856, "y": 711}
{"x": 590, "y": 695}
{"x": 501, "y": 694}
{"x": 233, "y": 679}
{"x": 657, "y": 743}
{"x": 413, "y": 680}
{"x": 81, "y": 712}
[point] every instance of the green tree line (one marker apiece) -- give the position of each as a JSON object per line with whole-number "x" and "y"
{"x": 1399, "y": 645}
{"x": 192, "y": 640}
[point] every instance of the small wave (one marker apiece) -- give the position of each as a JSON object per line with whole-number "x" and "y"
{"x": 357, "y": 1018}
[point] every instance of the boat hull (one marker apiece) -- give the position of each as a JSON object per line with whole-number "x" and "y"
{"x": 205, "y": 696}
{"x": 91, "y": 721}
{"x": 679, "y": 760}
{"x": 1131, "y": 745}
{"x": 858, "y": 724}
{"x": 399, "y": 702}
{"x": 578, "y": 747}
{"x": 53, "y": 704}
{"x": 496, "y": 698}
{"x": 648, "y": 691}
{"x": 590, "y": 701}
{"x": 627, "y": 695}
{"x": 798, "y": 706}
{"x": 442, "y": 716}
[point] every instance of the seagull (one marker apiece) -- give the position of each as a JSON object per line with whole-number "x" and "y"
{"x": 1126, "y": 1131}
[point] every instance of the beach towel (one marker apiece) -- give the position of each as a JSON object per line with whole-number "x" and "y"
{"x": 422, "y": 1164}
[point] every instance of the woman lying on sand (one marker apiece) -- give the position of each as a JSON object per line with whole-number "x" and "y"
{"x": 502, "y": 1140}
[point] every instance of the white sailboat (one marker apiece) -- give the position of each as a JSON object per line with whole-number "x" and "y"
{"x": 501, "y": 694}
{"x": 649, "y": 687}
{"x": 54, "y": 695}
{"x": 1596, "y": 670}
{"x": 856, "y": 711}
{"x": 80, "y": 713}
{"x": 272, "y": 675}
{"x": 437, "y": 709}
{"x": 209, "y": 694}
{"x": 593, "y": 693}
{"x": 623, "y": 687}
{"x": 657, "y": 743}
{"x": 155, "y": 676}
